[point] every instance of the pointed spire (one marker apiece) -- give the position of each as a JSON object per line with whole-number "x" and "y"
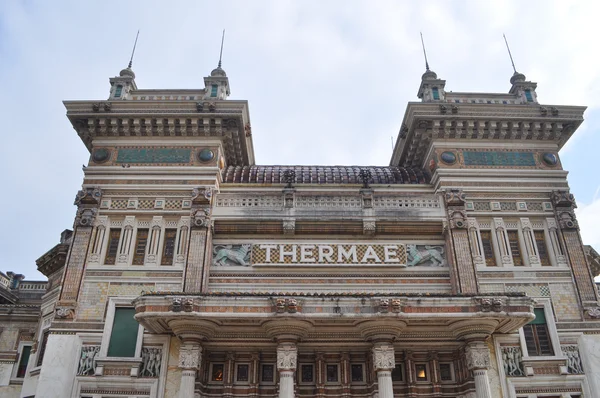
{"x": 133, "y": 51}
{"x": 516, "y": 77}
{"x": 424, "y": 52}
{"x": 221, "y": 53}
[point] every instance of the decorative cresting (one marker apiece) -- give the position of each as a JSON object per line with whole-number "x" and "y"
{"x": 322, "y": 175}
{"x": 385, "y": 329}
{"x": 287, "y": 329}
{"x": 564, "y": 206}
{"x": 464, "y": 279}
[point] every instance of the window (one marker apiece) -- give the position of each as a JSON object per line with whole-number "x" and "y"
{"x": 42, "y": 349}
{"x": 488, "y": 251}
{"x": 537, "y": 337}
{"x": 398, "y": 373}
{"x": 123, "y": 337}
{"x": 357, "y": 373}
{"x": 528, "y": 96}
{"x": 436, "y": 93}
{"x": 267, "y": 373}
{"x": 241, "y": 373}
{"x": 216, "y": 373}
{"x": 421, "y": 371}
{"x": 213, "y": 90}
{"x": 540, "y": 242}
{"x": 118, "y": 91}
{"x": 169, "y": 247}
{"x": 113, "y": 246}
{"x": 332, "y": 373}
{"x": 306, "y": 373}
{"x": 515, "y": 249}
{"x": 23, "y": 361}
{"x": 140, "y": 246}
{"x": 445, "y": 371}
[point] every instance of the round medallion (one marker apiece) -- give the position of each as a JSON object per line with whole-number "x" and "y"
{"x": 101, "y": 155}
{"x": 448, "y": 157}
{"x": 550, "y": 159}
{"x": 206, "y": 155}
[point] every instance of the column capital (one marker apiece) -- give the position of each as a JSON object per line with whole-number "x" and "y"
{"x": 287, "y": 357}
{"x": 383, "y": 357}
{"x": 190, "y": 356}
{"x": 477, "y": 355}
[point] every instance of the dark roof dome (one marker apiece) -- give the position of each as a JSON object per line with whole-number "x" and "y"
{"x": 127, "y": 72}
{"x": 429, "y": 75}
{"x": 218, "y": 72}
{"x": 517, "y": 77}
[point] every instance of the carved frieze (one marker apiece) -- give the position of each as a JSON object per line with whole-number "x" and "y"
{"x": 236, "y": 255}
{"x": 151, "y": 361}
{"x": 87, "y": 360}
{"x": 574, "y": 365}
{"x": 512, "y": 361}
{"x": 425, "y": 255}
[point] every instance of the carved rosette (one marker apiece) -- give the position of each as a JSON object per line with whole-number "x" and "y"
{"x": 86, "y": 217}
{"x": 201, "y": 217}
{"x": 189, "y": 356}
{"x": 458, "y": 219}
{"x": 287, "y": 357}
{"x": 477, "y": 356}
{"x": 384, "y": 357}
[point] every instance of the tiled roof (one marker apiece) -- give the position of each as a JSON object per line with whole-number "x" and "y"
{"x": 323, "y": 175}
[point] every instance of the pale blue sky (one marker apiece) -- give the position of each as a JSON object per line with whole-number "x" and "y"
{"x": 327, "y": 82}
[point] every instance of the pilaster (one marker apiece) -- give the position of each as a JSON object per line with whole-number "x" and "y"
{"x": 200, "y": 248}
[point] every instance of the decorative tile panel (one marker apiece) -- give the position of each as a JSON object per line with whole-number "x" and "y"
{"x": 153, "y": 155}
{"x": 479, "y": 158}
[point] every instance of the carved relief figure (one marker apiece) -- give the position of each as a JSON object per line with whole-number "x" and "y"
{"x": 425, "y": 255}
{"x": 151, "y": 360}
{"x": 511, "y": 357}
{"x": 573, "y": 359}
{"x": 232, "y": 255}
{"x": 87, "y": 360}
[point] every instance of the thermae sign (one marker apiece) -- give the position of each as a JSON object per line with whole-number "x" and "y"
{"x": 324, "y": 254}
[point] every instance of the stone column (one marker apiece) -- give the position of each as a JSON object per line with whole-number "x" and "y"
{"x": 287, "y": 357}
{"x": 478, "y": 361}
{"x": 189, "y": 362}
{"x": 383, "y": 362}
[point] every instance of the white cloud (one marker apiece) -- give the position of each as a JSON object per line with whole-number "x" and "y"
{"x": 588, "y": 216}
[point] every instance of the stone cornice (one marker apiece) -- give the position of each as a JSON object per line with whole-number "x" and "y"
{"x": 424, "y": 122}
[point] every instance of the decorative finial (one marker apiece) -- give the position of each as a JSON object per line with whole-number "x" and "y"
{"x": 509, "y": 54}
{"x": 424, "y": 53}
{"x": 221, "y": 53}
{"x": 133, "y": 51}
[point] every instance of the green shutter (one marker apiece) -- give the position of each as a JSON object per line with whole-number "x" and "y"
{"x": 540, "y": 317}
{"x": 124, "y": 334}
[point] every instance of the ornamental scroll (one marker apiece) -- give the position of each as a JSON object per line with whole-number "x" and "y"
{"x": 327, "y": 254}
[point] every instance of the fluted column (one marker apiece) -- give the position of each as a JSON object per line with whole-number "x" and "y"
{"x": 383, "y": 362}
{"x": 478, "y": 361}
{"x": 189, "y": 362}
{"x": 287, "y": 358}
